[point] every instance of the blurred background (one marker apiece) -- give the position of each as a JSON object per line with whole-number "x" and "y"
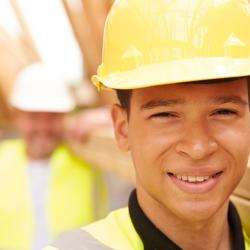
{"x": 66, "y": 35}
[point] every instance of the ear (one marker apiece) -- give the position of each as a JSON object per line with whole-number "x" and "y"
{"x": 120, "y": 123}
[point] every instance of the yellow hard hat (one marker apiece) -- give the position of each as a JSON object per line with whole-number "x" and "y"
{"x": 155, "y": 42}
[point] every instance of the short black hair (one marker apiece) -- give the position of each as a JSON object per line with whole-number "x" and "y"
{"x": 124, "y": 95}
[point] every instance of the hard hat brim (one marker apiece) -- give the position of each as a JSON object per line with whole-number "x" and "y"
{"x": 178, "y": 71}
{"x": 40, "y": 105}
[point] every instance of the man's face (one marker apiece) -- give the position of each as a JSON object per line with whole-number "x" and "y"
{"x": 42, "y": 131}
{"x": 189, "y": 143}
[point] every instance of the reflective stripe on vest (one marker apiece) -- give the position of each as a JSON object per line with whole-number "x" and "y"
{"x": 116, "y": 231}
{"x": 79, "y": 240}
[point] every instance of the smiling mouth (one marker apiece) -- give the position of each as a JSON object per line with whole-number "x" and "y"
{"x": 194, "y": 179}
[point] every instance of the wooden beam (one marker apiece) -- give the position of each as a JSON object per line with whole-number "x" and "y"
{"x": 25, "y": 28}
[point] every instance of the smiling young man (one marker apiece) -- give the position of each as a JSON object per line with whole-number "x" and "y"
{"x": 181, "y": 71}
{"x": 190, "y": 146}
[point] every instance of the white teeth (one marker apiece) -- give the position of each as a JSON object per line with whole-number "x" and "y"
{"x": 199, "y": 178}
{"x": 192, "y": 179}
{"x": 202, "y": 178}
{"x": 184, "y": 178}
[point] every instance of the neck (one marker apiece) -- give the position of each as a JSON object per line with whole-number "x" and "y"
{"x": 38, "y": 157}
{"x": 37, "y": 153}
{"x": 205, "y": 234}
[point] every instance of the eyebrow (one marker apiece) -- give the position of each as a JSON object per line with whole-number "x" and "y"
{"x": 230, "y": 99}
{"x": 162, "y": 103}
{"x": 171, "y": 102}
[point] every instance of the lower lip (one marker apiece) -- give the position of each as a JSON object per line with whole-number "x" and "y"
{"x": 197, "y": 187}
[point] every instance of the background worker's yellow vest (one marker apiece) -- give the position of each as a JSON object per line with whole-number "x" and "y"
{"x": 76, "y": 195}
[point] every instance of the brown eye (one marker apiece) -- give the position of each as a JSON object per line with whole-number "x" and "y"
{"x": 164, "y": 115}
{"x": 225, "y": 112}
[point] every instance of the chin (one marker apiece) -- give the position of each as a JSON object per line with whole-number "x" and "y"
{"x": 197, "y": 211}
{"x": 41, "y": 151}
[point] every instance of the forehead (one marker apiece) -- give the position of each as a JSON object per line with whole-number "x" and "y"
{"x": 189, "y": 92}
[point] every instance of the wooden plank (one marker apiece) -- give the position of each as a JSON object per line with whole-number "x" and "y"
{"x": 243, "y": 190}
{"x": 87, "y": 21}
{"x": 86, "y": 37}
{"x": 26, "y": 31}
{"x": 101, "y": 151}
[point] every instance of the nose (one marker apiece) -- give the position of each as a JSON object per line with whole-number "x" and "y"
{"x": 43, "y": 125}
{"x": 197, "y": 141}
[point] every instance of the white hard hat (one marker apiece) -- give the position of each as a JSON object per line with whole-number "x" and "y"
{"x": 37, "y": 88}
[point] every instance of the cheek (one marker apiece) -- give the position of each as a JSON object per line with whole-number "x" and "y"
{"x": 149, "y": 145}
{"x": 237, "y": 138}
{"x": 236, "y": 142}
{"x": 28, "y": 130}
{"x": 152, "y": 137}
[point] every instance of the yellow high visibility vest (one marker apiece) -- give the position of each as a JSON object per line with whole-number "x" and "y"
{"x": 76, "y": 195}
{"x": 115, "y": 232}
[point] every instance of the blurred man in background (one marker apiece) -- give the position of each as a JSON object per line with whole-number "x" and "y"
{"x": 45, "y": 189}
{"x": 89, "y": 24}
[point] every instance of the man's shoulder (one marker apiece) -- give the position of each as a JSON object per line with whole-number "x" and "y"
{"x": 64, "y": 153}
{"x": 114, "y": 220}
{"x": 247, "y": 240}
{"x": 11, "y": 146}
{"x": 100, "y": 235}
{"x": 12, "y": 156}
{"x": 12, "y": 143}
{"x": 77, "y": 240}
